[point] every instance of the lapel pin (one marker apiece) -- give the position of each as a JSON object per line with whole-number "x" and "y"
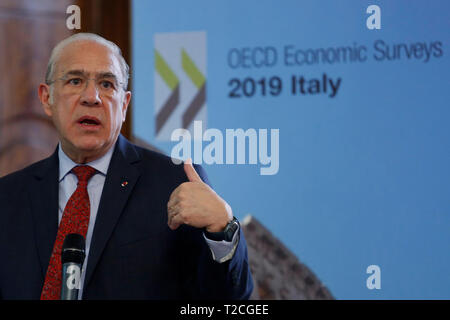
{"x": 124, "y": 183}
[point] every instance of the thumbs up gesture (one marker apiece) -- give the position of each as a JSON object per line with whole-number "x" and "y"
{"x": 194, "y": 203}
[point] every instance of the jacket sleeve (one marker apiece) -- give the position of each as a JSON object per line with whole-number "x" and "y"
{"x": 209, "y": 279}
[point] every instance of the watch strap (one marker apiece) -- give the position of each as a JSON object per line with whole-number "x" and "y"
{"x": 225, "y": 235}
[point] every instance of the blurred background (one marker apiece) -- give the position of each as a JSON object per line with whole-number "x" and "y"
{"x": 359, "y": 96}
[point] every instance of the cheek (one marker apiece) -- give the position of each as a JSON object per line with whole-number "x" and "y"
{"x": 111, "y": 121}
{"x": 62, "y": 112}
{"x": 59, "y": 119}
{"x": 118, "y": 119}
{"x": 117, "y": 115}
{"x": 65, "y": 119}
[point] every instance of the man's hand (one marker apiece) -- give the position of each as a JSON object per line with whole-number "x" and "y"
{"x": 194, "y": 203}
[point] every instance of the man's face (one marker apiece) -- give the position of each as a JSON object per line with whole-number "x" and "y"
{"x": 89, "y": 104}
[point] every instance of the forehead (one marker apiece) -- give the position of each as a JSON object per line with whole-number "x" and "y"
{"x": 89, "y": 56}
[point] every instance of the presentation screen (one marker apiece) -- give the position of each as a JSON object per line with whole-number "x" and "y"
{"x": 326, "y": 120}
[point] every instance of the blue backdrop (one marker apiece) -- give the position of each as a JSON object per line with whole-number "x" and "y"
{"x": 363, "y": 175}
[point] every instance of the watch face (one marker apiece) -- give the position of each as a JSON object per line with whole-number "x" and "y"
{"x": 231, "y": 229}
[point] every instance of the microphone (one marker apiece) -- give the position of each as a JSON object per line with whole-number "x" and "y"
{"x": 72, "y": 258}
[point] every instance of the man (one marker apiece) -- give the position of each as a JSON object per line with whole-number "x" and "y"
{"x": 153, "y": 229}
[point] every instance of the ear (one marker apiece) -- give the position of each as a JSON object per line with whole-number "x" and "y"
{"x": 44, "y": 97}
{"x": 126, "y": 102}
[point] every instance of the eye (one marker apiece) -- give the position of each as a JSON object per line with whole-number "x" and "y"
{"x": 105, "y": 84}
{"x": 75, "y": 81}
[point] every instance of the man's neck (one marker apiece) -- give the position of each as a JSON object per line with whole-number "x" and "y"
{"x": 83, "y": 157}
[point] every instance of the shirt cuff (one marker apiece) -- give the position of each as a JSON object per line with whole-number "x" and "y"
{"x": 223, "y": 251}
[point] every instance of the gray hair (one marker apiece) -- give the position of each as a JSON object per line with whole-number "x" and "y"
{"x": 86, "y": 37}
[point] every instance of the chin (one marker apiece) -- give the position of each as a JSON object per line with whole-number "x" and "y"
{"x": 90, "y": 143}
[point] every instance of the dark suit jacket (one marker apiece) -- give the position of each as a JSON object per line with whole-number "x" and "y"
{"x": 133, "y": 253}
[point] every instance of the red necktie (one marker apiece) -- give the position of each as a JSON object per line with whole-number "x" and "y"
{"x": 75, "y": 219}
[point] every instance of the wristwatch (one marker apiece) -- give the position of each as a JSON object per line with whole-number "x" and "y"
{"x": 227, "y": 234}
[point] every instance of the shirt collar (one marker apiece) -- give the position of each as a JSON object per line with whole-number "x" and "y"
{"x": 66, "y": 164}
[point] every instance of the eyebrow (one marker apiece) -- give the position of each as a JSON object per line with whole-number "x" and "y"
{"x": 102, "y": 74}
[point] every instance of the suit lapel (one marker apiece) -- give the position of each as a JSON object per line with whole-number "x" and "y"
{"x": 43, "y": 195}
{"x": 121, "y": 177}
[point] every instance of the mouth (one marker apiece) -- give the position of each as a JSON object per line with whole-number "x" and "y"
{"x": 89, "y": 122}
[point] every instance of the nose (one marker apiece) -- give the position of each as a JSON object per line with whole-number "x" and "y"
{"x": 90, "y": 95}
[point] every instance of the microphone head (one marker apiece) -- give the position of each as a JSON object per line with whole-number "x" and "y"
{"x": 73, "y": 249}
